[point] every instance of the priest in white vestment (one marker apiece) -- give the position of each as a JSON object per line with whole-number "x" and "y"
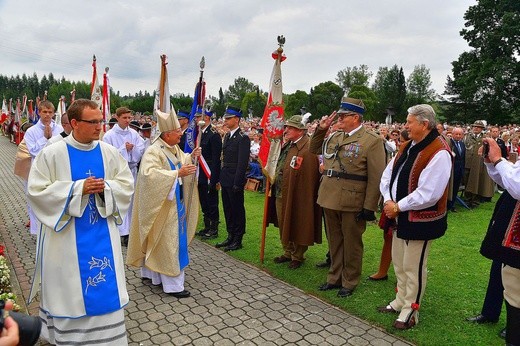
{"x": 131, "y": 146}
{"x": 165, "y": 210}
{"x": 80, "y": 189}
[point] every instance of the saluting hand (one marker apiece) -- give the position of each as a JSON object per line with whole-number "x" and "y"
{"x": 327, "y": 120}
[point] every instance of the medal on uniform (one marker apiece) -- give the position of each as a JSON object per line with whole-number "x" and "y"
{"x": 296, "y": 162}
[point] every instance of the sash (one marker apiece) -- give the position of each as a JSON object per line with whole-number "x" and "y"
{"x": 93, "y": 242}
{"x": 184, "y": 259}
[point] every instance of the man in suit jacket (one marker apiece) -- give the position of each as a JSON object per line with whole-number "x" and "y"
{"x": 354, "y": 160}
{"x": 235, "y": 159}
{"x": 458, "y": 150}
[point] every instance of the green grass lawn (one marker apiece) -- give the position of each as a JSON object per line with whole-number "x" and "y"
{"x": 457, "y": 277}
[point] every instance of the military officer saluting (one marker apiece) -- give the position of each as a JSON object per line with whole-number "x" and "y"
{"x": 354, "y": 160}
{"x": 235, "y": 159}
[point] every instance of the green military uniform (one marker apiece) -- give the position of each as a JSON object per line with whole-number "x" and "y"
{"x": 350, "y": 184}
{"x": 478, "y": 184}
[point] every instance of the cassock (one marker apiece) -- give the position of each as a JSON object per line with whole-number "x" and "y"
{"x": 165, "y": 212}
{"x": 118, "y": 138}
{"x": 79, "y": 264}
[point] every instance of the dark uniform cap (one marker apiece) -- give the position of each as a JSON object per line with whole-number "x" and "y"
{"x": 296, "y": 121}
{"x": 146, "y": 126}
{"x": 183, "y": 114}
{"x": 351, "y": 105}
{"x": 112, "y": 121}
{"x": 232, "y": 112}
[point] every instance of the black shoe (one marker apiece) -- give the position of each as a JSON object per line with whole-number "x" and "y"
{"x": 236, "y": 245}
{"x": 202, "y": 232}
{"x": 225, "y": 243}
{"x": 281, "y": 259}
{"x": 181, "y": 294}
{"x": 210, "y": 235}
{"x": 383, "y": 278}
{"x": 326, "y": 287}
{"x": 480, "y": 319}
{"x": 502, "y": 333}
{"x": 325, "y": 264}
{"x": 345, "y": 292}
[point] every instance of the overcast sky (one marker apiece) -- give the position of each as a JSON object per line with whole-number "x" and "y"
{"x": 236, "y": 38}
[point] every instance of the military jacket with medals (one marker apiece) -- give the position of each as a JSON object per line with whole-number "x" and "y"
{"x": 353, "y": 168}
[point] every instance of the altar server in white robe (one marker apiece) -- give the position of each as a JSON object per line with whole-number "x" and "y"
{"x": 131, "y": 146}
{"x": 166, "y": 207}
{"x": 80, "y": 188}
{"x": 36, "y": 138}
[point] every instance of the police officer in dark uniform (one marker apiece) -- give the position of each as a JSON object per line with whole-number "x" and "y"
{"x": 184, "y": 118}
{"x": 235, "y": 159}
{"x": 209, "y": 174}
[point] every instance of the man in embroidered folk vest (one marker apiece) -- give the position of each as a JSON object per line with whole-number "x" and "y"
{"x": 80, "y": 189}
{"x": 354, "y": 159}
{"x": 414, "y": 186}
{"x": 502, "y": 241}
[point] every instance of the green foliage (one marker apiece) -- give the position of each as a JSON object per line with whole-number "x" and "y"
{"x": 457, "y": 277}
{"x": 294, "y": 103}
{"x": 254, "y": 102}
{"x": 390, "y": 89}
{"x": 369, "y": 99}
{"x": 351, "y": 76}
{"x": 486, "y": 79}
{"x": 238, "y": 90}
{"x": 324, "y": 98}
{"x": 418, "y": 87}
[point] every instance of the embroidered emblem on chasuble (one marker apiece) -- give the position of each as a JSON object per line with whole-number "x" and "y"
{"x": 93, "y": 242}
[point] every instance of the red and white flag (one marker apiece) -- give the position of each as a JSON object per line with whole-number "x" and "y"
{"x": 95, "y": 89}
{"x": 62, "y": 108}
{"x": 4, "y": 112}
{"x": 106, "y": 98}
{"x": 273, "y": 120}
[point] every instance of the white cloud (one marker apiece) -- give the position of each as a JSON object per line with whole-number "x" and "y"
{"x": 236, "y": 37}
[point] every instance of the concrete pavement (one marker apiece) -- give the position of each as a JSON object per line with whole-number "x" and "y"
{"x": 232, "y": 303}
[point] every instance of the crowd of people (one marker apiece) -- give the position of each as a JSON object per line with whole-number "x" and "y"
{"x": 137, "y": 185}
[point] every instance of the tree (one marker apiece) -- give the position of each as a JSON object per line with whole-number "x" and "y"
{"x": 390, "y": 89}
{"x": 324, "y": 99}
{"x": 238, "y": 90}
{"x": 487, "y": 78}
{"x": 351, "y": 76}
{"x": 419, "y": 87}
{"x": 254, "y": 101}
{"x": 295, "y": 102}
{"x": 369, "y": 99}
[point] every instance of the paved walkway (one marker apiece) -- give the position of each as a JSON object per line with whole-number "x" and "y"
{"x": 232, "y": 303}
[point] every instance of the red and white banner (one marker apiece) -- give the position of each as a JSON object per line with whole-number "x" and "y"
{"x": 106, "y": 99}
{"x": 95, "y": 89}
{"x": 273, "y": 120}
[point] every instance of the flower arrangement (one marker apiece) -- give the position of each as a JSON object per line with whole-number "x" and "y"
{"x": 5, "y": 280}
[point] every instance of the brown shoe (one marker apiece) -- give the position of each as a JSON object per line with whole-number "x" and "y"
{"x": 386, "y": 309}
{"x": 295, "y": 264}
{"x": 404, "y": 325}
{"x": 281, "y": 259}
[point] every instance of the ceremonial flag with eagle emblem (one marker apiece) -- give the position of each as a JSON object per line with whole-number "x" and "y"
{"x": 273, "y": 120}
